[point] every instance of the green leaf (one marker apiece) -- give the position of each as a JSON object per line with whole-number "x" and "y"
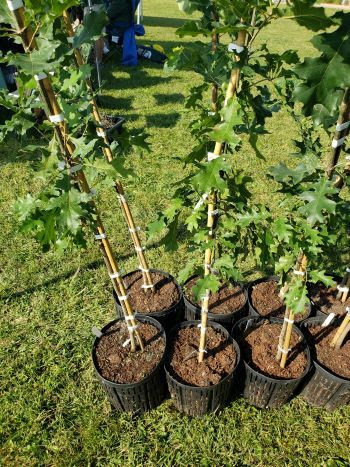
{"x": 210, "y": 177}
{"x": 306, "y": 15}
{"x": 283, "y": 230}
{"x": 320, "y": 276}
{"x": 296, "y": 298}
{"x": 94, "y": 23}
{"x": 209, "y": 282}
{"x": 326, "y": 77}
{"x": 191, "y": 28}
{"x": 318, "y": 202}
{"x": 37, "y": 61}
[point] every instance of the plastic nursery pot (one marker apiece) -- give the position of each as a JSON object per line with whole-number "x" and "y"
{"x": 197, "y": 401}
{"x": 193, "y": 312}
{"x": 264, "y": 391}
{"x": 112, "y": 124}
{"x": 324, "y": 388}
{"x": 316, "y": 308}
{"x": 135, "y": 397}
{"x": 254, "y": 312}
{"x": 167, "y": 318}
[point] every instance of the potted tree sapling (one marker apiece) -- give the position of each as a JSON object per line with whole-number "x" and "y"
{"x": 221, "y": 217}
{"x": 128, "y": 354}
{"x": 152, "y": 292}
{"x": 327, "y": 102}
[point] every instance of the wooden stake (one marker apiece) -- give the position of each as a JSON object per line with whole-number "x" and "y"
{"x": 344, "y": 117}
{"x": 53, "y": 109}
{"x": 286, "y": 343}
{"x": 342, "y": 337}
{"x": 342, "y": 284}
{"x": 340, "y": 331}
{"x": 209, "y": 254}
{"x": 346, "y": 291}
{"x": 107, "y": 151}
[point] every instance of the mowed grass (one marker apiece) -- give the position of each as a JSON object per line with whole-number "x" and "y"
{"x": 52, "y": 409}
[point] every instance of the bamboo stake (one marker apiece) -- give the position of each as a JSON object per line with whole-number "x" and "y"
{"x": 214, "y": 47}
{"x": 209, "y": 254}
{"x": 53, "y": 110}
{"x": 342, "y": 337}
{"x": 343, "y": 284}
{"x": 288, "y": 323}
{"x": 342, "y": 130}
{"x": 107, "y": 151}
{"x": 341, "y": 329}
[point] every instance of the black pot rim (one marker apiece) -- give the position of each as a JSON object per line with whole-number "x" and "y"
{"x": 270, "y": 378}
{"x": 216, "y": 315}
{"x": 157, "y": 314}
{"x": 216, "y": 326}
{"x": 339, "y": 379}
{"x": 142, "y": 319}
{"x": 268, "y": 279}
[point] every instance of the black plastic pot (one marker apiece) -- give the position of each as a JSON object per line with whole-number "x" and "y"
{"x": 167, "y": 318}
{"x": 253, "y": 311}
{"x": 193, "y": 312}
{"x": 197, "y": 401}
{"x": 324, "y": 388}
{"x": 264, "y": 391}
{"x": 135, "y": 397}
{"x": 315, "y": 308}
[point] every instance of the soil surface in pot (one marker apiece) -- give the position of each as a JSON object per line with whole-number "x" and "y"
{"x": 118, "y": 364}
{"x": 267, "y": 302}
{"x": 226, "y": 300}
{"x": 325, "y": 299}
{"x": 259, "y": 347}
{"x": 337, "y": 361}
{"x": 165, "y": 296}
{"x": 219, "y": 360}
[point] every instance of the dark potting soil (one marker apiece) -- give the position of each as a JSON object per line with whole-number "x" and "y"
{"x": 337, "y": 361}
{"x": 107, "y": 121}
{"x": 218, "y": 362}
{"x": 325, "y": 299}
{"x": 267, "y": 302}
{"x": 165, "y": 295}
{"x": 226, "y": 300}
{"x": 259, "y": 347}
{"x": 118, "y": 364}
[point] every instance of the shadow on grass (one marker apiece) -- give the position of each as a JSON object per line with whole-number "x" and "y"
{"x": 162, "y": 120}
{"x": 163, "y": 99}
{"x": 163, "y": 21}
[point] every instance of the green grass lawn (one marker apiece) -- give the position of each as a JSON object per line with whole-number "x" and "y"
{"x": 52, "y": 409}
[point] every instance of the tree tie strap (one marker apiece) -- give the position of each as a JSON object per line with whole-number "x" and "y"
{"x": 212, "y": 156}
{"x": 202, "y": 351}
{"x": 202, "y": 328}
{"x": 133, "y": 328}
{"x": 145, "y": 286}
{"x": 100, "y": 236}
{"x": 290, "y": 321}
{"x": 143, "y": 269}
{"x": 338, "y": 142}
{"x": 40, "y": 76}
{"x": 284, "y": 351}
{"x": 328, "y": 320}
{"x": 298, "y": 273}
{"x": 56, "y": 118}
{"x": 347, "y": 309}
{"x": 136, "y": 229}
{"x": 14, "y": 4}
{"x": 100, "y": 132}
{"x": 75, "y": 168}
{"x": 122, "y": 298}
{"x": 233, "y": 47}
{"x": 122, "y": 199}
{"x": 342, "y": 126}
{"x": 348, "y": 270}
{"x": 213, "y": 213}
{"x": 114, "y": 275}
{"x": 70, "y": 39}
{"x": 343, "y": 288}
{"x": 201, "y": 201}
{"x": 129, "y": 317}
{"x": 139, "y": 249}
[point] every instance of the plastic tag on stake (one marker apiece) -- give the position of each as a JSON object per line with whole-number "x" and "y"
{"x": 338, "y": 142}
{"x": 96, "y": 332}
{"x": 14, "y": 4}
{"x": 328, "y": 320}
{"x": 342, "y": 126}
